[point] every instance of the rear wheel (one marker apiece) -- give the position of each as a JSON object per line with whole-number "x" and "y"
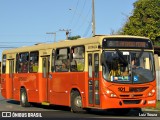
{"x": 24, "y": 99}
{"x": 76, "y": 102}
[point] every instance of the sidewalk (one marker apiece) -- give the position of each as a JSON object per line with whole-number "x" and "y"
{"x": 147, "y": 109}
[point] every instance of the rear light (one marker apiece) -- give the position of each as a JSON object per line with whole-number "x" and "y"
{"x": 152, "y": 92}
{"x": 110, "y": 93}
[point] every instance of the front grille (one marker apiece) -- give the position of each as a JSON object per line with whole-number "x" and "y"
{"x": 137, "y": 89}
{"x": 131, "y": 95}
{"x": 124, "y": 95}
{"x": 131, "y": 101}
{"x": 138, "y": 95}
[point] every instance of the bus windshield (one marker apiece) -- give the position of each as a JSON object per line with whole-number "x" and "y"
{"x": 128, "y": 66}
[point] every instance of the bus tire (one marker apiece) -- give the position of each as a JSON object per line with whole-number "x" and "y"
{"x": 76, "y": 102}
{"x": 24, "y": 99}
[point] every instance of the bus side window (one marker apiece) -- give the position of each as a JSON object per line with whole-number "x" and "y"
{"x": 62, "y": 61}
{"x": 23, "y": 62}
{"x": 33, "y": 61}
{"x": 53, "y": 60}
{"x": 77, "y": 61}
{"x": 96, "y": 65}
{"x": 4, "y": 64}
{"x": 17, "y": 62}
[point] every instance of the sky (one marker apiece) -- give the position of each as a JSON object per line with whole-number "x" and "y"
{"x": 26, "y": 22}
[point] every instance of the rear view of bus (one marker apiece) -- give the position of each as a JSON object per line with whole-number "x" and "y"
{"x": 128, "y": 73}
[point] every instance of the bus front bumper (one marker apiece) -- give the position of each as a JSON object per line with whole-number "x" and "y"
{"x": 128, "y": 103}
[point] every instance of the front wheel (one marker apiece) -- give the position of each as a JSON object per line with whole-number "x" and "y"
{"x": 76, "y": 102}
{"x": 24, "y": 99}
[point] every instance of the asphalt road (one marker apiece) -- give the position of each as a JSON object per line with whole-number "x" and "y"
{"x": 14, "y": 110}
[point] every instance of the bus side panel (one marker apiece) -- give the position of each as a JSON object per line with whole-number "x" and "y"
{"x": 9, "y": 86}
{"x": 32, "y": 87}
{"x": 6, "y": 86}
{"x": 61, "y": 85}
{"x": 59, "y": 88}
{"x": 3, "y": 85}
{"x": 29, "y": 82}
{"x": 82, "y": 84}
{"x": 16, "y": 87}
{"x": 42, "y": 82}
{"x": 0, "y": 73}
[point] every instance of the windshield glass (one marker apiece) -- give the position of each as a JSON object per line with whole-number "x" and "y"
{"x": 128, "y": 66}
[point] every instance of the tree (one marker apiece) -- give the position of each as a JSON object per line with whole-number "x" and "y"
{"x": 145, "y": 20}
{"x": 74, "y": 37}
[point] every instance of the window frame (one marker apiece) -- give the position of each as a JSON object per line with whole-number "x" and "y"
{"x": 73, "y": 47}
{"x": 18, "y": 63}
{"x": 4, "y": 66}
{"x": 61, "y": 61}
{"x": 53, "y": 59}
{"x": 36, "y": 66}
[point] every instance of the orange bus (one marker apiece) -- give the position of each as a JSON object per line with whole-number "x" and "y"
{"x": 101, "y": 72}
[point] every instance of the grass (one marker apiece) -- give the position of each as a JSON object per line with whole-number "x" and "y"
{"x": 158, "y": 105}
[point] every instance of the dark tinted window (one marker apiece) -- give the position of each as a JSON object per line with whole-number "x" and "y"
{"x": 33, "y": 61}
{"x": 4, "y": 64}
{"x": 22, "y": 63}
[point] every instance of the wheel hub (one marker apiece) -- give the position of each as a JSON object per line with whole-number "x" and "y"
{"x": 78, "y": 101}
{"x": 23, "y": 98}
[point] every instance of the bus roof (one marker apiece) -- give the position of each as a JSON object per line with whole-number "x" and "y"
{"x": 65, "y": 43}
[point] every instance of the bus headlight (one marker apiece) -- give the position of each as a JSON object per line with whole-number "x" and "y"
{"x": 110, "y": 93}
{"x": 152, "y": 92}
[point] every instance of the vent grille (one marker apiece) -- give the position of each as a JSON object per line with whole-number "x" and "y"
{"x": 131, "y": 95}
{"x": 137, "y": 89}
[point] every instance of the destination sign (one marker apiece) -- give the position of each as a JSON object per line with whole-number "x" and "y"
{"x": 127, "y": 43}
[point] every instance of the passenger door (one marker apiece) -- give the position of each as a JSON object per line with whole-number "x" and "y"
{"x": 11, "y": 76}
{"x": 93, "y": 79}
{"x": 45, "y": 75}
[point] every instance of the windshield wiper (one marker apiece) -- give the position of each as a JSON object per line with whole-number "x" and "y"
{"x": 122, "y": 57}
